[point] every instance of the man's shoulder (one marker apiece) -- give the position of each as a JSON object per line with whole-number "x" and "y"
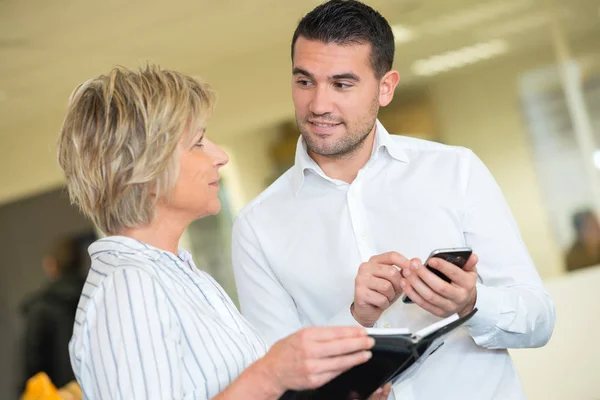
{"x": 279, "y": 190}
{"x": 416, "y": 146}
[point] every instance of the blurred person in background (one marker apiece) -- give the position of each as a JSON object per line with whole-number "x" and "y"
{"x": 150, "y": 324}
{"x": 50, "y": 314}
{"x": 359, "y": 202}
{"x": 585, "y": 251}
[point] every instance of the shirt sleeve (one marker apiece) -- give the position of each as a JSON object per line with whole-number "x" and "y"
{"x": 132, "y": 349}
{"x": 514, "y": 309}
{"x": 263, "y": 299}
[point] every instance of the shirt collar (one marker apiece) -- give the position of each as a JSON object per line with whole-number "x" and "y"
{"x": 304, "y": 162}
{"x": 126, "y": 244}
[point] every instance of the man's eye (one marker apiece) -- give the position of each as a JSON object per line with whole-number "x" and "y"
{"x": 342, "y": 85}
{"x": 304, "y": 82}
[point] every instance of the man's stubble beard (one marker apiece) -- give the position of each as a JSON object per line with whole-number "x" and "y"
{"x": 351, "y": 142}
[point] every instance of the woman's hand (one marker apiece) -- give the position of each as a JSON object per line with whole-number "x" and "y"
{"x": 314, "y": 356}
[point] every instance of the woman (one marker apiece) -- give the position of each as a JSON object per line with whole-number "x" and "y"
{"x": 149, "y": 324}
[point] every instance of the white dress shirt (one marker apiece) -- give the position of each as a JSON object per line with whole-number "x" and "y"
{"x": 298, "y": 246}
{"x": 150, "y": 325}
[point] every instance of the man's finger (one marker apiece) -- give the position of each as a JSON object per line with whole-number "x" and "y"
{"x": 386, "y": 390}
{"x": 413, "y": 266}
{"x": 383, "y": 271}
{"x": 456, "y": 275}
{"x": 418, "y": 300}
{"x": 425, "y": 289}
{"x": 376, "y": 299}
{"x": 391, "y": 258}
{"x": 383, "y": 286}
{"x": 471, "y": 264}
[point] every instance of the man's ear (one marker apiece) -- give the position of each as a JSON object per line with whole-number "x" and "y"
{"x": 387, "y": 86}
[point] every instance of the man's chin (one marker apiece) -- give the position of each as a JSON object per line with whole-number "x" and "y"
{"x": 326, "y": 151}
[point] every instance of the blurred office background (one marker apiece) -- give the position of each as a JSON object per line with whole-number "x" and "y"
{"x": 517, "y": 81}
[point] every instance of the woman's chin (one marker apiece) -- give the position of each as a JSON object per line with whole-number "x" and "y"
{"x": 212, "y": 208}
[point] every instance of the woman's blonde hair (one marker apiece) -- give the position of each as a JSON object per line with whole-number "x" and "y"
{"x": 118, "y": 142}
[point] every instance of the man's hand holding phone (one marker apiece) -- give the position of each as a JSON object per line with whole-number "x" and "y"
{"x": 377, "y": 286}
{"x": 433, "y": 294}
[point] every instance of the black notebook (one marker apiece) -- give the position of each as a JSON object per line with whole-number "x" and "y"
{"x": 394, "y": 352}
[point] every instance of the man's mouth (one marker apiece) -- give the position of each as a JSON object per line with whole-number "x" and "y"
{"x": 324, "y": 124}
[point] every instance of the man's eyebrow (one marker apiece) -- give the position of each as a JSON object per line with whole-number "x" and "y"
{"x": 300, "y": 71}
{"x": 347, "y": 75}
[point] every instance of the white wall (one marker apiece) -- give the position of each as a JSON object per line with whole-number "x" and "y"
{"x": 479, "y": 108}
{"x": 250, "y": 166}
{"x": 568, "y": 366}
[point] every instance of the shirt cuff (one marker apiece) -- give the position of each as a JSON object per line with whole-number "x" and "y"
{"x": 489, "y": 304}
{"x": 343, "y": 318}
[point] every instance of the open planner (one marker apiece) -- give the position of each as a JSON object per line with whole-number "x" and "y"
{"x": 395, "y": 351}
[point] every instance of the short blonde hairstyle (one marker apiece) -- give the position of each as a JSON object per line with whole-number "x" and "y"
{"x": 118, "y": 143}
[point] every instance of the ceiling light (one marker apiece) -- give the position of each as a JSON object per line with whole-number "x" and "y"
{"x": 477, "y": 15}
{"x": 521, "y": 24}
{"x": 597, "y": 158}
{"x": 460, "y": 57}
{"x": 403, "y": 34}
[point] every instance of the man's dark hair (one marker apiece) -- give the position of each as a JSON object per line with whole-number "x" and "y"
{"x": 347, "y": 22}
{"x": 579, "y": 219}
{"x": 70, "y": 252}
{"x": 62, "y": 250}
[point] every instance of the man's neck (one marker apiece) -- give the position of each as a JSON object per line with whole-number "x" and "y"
{"x": 345, "y": 168}
{"x": 164, "y": 232}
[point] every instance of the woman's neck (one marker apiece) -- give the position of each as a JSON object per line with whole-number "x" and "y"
{"x": 163, "y": 232}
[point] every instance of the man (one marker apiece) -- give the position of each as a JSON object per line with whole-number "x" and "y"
{"x": 585, "y": 251}
{"x": 50, "y": 314}
{"x": 321, "y": 245}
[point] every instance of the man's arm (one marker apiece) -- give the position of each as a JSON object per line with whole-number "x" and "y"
{"x": 514, "y": 309}
{"x": 267, "y": 304}
{"x": 263, "y": 299}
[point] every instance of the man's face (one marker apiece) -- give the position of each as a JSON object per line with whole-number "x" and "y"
{"x": 591, "y": 229}
{"x": 336, "y": 95}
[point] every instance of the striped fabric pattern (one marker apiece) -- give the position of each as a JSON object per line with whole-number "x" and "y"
{"x": 150, "y": 325}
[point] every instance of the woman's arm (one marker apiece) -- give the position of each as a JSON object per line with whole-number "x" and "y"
{"x": 304, "y": 360}
{"x": 130, "y": 349}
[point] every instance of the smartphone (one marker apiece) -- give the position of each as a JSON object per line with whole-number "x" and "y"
{"x": 457, "y": 256}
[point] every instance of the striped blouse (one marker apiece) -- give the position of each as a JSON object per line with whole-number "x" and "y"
{"x": 150, "y": 325}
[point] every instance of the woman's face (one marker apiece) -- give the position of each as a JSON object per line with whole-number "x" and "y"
{"x": 197, "y": 187}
